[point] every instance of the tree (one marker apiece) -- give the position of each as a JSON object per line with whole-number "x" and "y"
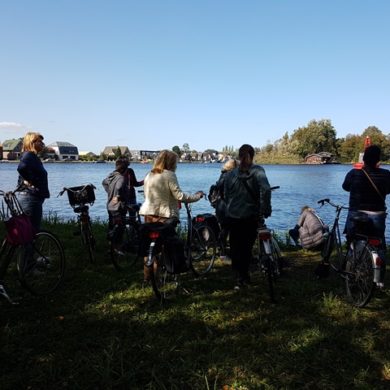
{"x": 317, "y": 136}
{"x": 117, "y": 153}
{"x": 177, "y": 150}
{"x": 186, "y": 148}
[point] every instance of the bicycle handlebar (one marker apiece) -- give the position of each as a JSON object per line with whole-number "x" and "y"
{"x": 327, "y": 200}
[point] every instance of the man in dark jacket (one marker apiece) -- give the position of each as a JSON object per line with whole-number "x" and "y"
{"x": 368, "y": 188}
{"x": 248, "y": 198}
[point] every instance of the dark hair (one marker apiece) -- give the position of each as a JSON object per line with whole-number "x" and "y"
{"x": 246, "y": 150}
{"x": 372, "y": 155}
{"x": 121, "y": 164}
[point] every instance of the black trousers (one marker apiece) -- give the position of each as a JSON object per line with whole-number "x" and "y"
{"x": 242, "y": 237}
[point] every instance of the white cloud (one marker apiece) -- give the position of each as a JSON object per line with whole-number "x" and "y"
{"x": 11, "y": 125}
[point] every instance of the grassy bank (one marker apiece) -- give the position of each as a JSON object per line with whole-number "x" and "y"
{"x": 102, "y": 330}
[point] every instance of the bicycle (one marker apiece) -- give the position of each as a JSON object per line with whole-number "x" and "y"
{"x": 360, "y": 266}
{"x": 268, "y": 258}
{"x": 79, "y": 198}
{"x": 39, "y": 262}
{"x": 168, "y": 255}
{"x": 127, "y": 253}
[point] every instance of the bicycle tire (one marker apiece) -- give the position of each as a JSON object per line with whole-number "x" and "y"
{"x": 164, "y": 284}
{"x": 41, "y": 266}
{"x": 203, "y": 250}
{"x": 331, "y": 253}
{"x": 359, "y": 279}
{"x": 125, "y": 257}
{"x": 269, "y": 266}
{"x": 277, "y": 258}
{"x": 88, "y": 240}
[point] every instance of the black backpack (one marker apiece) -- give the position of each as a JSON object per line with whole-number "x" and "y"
{"x": 214, "y": 195}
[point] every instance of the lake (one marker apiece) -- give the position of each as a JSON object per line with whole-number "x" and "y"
{"x": 299, "y": 185}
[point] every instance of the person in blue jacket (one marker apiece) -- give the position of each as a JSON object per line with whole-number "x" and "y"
{"x": 32, "y": 181}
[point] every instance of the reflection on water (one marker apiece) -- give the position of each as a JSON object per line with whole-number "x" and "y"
{"x": 299, "y": 185}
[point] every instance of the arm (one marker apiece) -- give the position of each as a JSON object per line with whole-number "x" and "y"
{"x": 347, "y": 181}
{"x": 178, "y": 194}
{"x": 133, "y": 180}
{"x": 265, "y": 194}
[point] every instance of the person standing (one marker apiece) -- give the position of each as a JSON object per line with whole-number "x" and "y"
{"x": 132, "y": 182}
{"x": 220, "y": 206}
{"x": 367, "y": 189}
{"x": 116, "y": 186}
{"x": 32, "y": 180}
{"x": 163, "y": 193}
{"x": 247, "y": 195}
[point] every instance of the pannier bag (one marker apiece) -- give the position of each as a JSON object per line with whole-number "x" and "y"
{"x": 209, "y": 220}
{"x": 174, "y": 255}
{"x": 19, "y": 230}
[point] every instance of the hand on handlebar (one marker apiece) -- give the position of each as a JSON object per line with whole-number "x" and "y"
{"x": 201, "y": 194}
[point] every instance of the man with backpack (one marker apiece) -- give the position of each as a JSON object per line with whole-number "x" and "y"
{"x": 247, "y": 195}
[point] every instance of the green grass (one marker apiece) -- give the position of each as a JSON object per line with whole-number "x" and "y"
{"x": 102, "y": 330}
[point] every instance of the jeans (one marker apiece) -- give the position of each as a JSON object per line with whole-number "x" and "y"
{"x": 32, "y": 206}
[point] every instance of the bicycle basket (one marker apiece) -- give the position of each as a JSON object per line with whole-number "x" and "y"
{"x": 81, "y": 195}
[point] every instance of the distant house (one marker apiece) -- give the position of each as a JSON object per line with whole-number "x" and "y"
{"x": 111, "y": 151}
{"x": 319, "y": 158}
{"x": 65, "y": 151}
{"x": 12, "y": 149}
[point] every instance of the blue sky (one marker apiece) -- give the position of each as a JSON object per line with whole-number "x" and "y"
{"x": 154, "y": 74}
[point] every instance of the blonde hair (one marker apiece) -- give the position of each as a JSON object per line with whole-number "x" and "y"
{"x": 29, "y": 141}
{"x": 229, "y": 165}
{"x": 165, "y": 160}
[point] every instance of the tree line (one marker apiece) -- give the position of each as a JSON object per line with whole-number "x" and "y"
{"x": 320, "y": 136}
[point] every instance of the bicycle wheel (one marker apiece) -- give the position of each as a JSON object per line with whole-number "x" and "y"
{"x": 359, "y": 279}
{"x": 277, "y": 258}
{"x": 164, "y": 284}
{"x": 122, "y": 255}
{"x": 331, "y": 252}
{"x": 271, "y": 272}
{"x": 88, "y": 240}
{"x": 42, "y": 265}
{"x": 203, "y": 250}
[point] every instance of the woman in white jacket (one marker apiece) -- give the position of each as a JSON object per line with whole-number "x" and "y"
{"x": 162, "y": 191}
{"x": 163, "y": 194}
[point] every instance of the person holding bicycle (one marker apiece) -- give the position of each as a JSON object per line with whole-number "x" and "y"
{"x": 367, "y": 189}
{"x": 163, "y": 194}
{"x": 116, "y": 187}
{"x": 32, "y": 181}
{"x": 132, "y": 182}
{"x": 247, "y": 195}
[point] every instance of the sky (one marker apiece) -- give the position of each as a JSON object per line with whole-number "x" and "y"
{"x": 153, "y": 74}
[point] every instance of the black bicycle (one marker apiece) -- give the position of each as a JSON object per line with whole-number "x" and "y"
{"x": 169, "y": 255}
{"x": 267, "y": 258}
{"x": 79, "y": 199}
{"x": 125, "y": 253}
{"x": 358, "y": 262}
{"x": 39, "y": 262}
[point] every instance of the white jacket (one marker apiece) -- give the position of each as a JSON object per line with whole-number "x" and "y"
{"x": 162, "y": 193}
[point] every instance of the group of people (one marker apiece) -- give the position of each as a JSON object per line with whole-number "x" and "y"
{"x": 245, "y": 198}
